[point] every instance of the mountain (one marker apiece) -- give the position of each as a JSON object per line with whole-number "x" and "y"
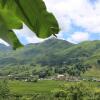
{"x": 52, "y": 52}
{"x": 32, "y": 52}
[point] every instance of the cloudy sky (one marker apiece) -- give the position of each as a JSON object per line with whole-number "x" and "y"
{"x": 79, "y": 21}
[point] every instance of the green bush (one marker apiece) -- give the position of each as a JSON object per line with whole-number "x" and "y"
{"x": 76, "y": 91}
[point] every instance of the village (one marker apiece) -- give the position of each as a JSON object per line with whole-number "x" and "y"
{"x": 60, "y": 77}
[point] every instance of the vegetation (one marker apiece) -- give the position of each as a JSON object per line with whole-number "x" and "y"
{"x": 77, "y": 91}
{"x": 4, "y": 90}
{"x": 50, "y": 89}
{"x": 25, "y": 67}
{"x": 44, "y": 26}
{"x": 32, "y": 71}
{"x": 51, "y": 57}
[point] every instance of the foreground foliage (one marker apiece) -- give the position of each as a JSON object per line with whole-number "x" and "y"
{"x": 13, "y": 13}
{"x": 51, "y": 90}
{"x": 77, "y": 91}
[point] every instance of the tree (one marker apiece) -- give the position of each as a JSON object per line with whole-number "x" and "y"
{"x": 4, "y": 90}
{"x": 60, "y": 94}
{"x": 33, "y": 13}
{"x": 77, "y": 69}
{"x": 42, "y": 74}
{"x": 76, "y": 91}
{"x": 60, "y": 70}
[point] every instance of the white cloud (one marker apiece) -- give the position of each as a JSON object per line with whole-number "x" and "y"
{"x": 28, "y": 35}
{"x": 58, "y": 7}
{"x": 60, "y": 35}
{"x": 81, "y": 12}
{"x": 78, "y": 37}
{"x": 3, "y": 42}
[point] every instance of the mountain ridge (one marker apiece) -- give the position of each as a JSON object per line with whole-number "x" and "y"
{"x": 52, "y": 48}
{"x": 51, "y": 53}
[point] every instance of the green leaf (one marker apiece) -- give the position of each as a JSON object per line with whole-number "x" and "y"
{"x": 34, "y": 14}
{"x": 8, "y": 35}
{"x": 13, "y": 13}
{"x": 10, "y": 19}
{"x": 13, "y": 40}
{"x": 3, "y": 2}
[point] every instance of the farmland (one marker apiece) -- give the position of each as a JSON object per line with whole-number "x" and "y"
{"x": 42, "y": 86}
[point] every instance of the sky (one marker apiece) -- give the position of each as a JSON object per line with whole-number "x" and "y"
{"x": 79, "y": 20}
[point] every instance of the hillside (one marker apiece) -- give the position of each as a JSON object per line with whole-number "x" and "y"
{"x": 52, "y": 52}
{"x": 33, "y": 52}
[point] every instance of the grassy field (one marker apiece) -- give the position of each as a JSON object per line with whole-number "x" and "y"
{"x": 42, "y": 86}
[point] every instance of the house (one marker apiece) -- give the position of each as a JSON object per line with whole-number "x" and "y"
{"x": 61, "y": 77}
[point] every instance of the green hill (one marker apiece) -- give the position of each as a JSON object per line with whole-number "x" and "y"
{"x": 34, "y": 52}
{"x": 52, "y": 52}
